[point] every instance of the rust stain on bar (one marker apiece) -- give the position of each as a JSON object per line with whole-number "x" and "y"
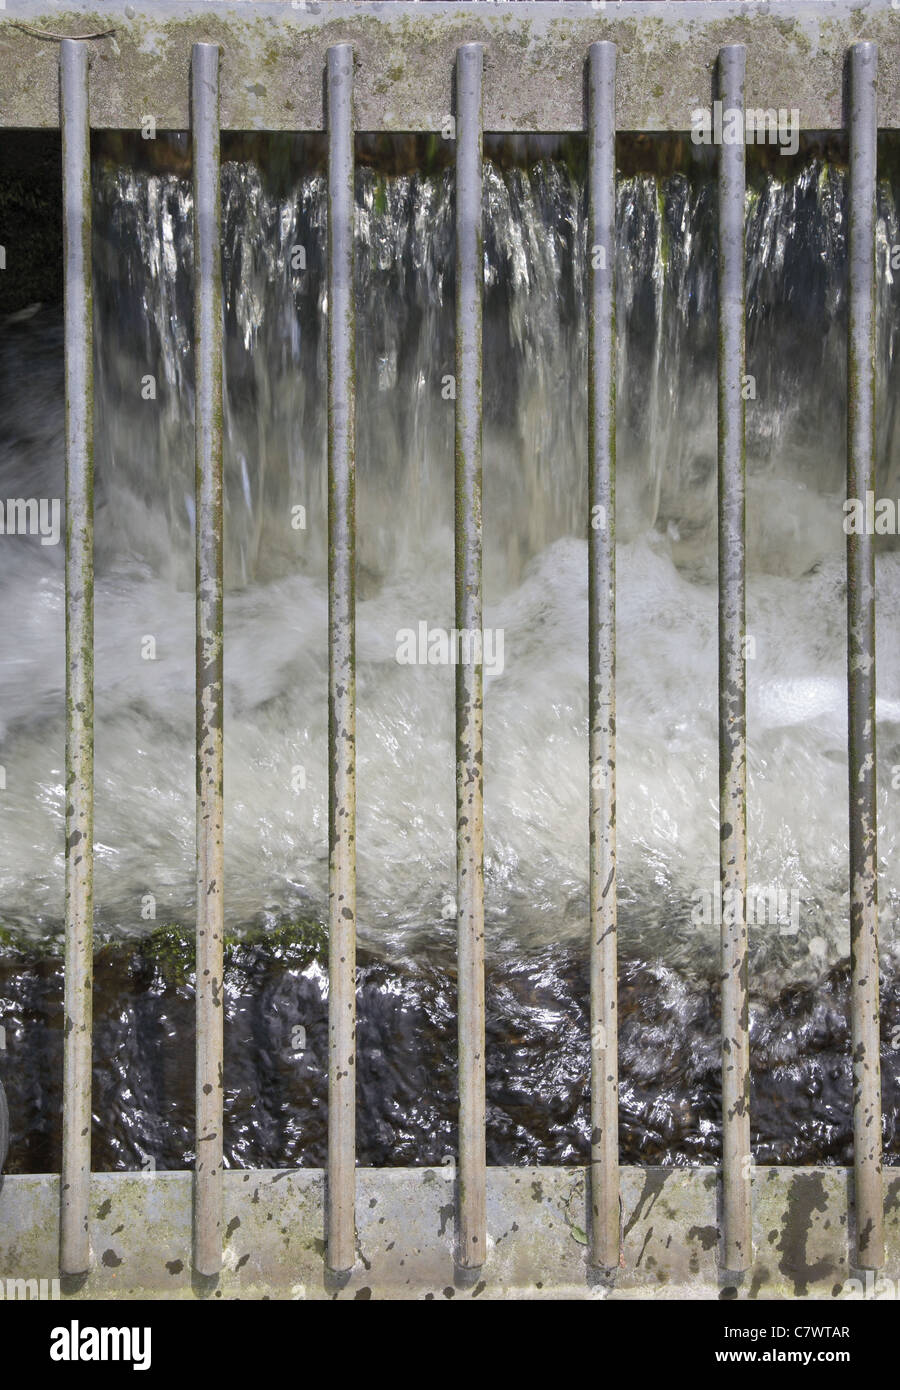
{"x": 737, "y": 1251}
{"x": 341, "y": 1219}
{"x": 605, "y": 1224}
{"x": 472, "y": 1245}
{"x": 864, "y": 993}
{"x": 208, "y": 336}
{"x": 79, "y": 817}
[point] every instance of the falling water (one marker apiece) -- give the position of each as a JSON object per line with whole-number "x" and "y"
{"x": 535, "y": 529}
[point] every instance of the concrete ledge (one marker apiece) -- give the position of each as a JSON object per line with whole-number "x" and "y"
{"x": 141, "y": 1229}
{"x": 273, "y": 58}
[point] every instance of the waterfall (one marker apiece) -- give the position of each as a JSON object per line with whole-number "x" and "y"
{"x": 535, "y": 528}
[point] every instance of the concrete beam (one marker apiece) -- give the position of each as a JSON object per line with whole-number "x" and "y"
{"x": 536, "y": 1220}
{"x": 273, "y": 59}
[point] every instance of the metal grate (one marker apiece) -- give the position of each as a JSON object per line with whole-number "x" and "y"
{"x": 496, "y": 55}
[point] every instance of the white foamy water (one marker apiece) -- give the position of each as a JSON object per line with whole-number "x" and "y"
{"x": 536, "y": 774}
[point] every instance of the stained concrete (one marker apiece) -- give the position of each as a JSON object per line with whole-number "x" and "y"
{"x": 537, "y": 1222}
{"x": 273, "y": 58}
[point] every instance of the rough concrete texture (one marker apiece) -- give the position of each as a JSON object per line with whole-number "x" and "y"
{"x": 141, "y": 1236}
{"x": 273, "y": 59}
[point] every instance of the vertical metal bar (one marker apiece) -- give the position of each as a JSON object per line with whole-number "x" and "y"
{"x": 208, "y": 334}
{"x": 79, "y": 374}
{"x": 341, "y": 666}
{"x": 605, "y": 1223}
{"x": 472, "y": 1246}
{"x": 864, "y": 1006}
{"x": 736, "y": 1158}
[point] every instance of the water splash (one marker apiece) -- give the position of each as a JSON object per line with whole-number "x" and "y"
{"x": 535, "y": 558}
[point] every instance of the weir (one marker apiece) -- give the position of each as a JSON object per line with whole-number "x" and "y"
{"x": 464, "y": 74}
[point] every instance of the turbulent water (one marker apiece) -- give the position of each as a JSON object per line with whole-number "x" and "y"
{"x": 536, "y": 776}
